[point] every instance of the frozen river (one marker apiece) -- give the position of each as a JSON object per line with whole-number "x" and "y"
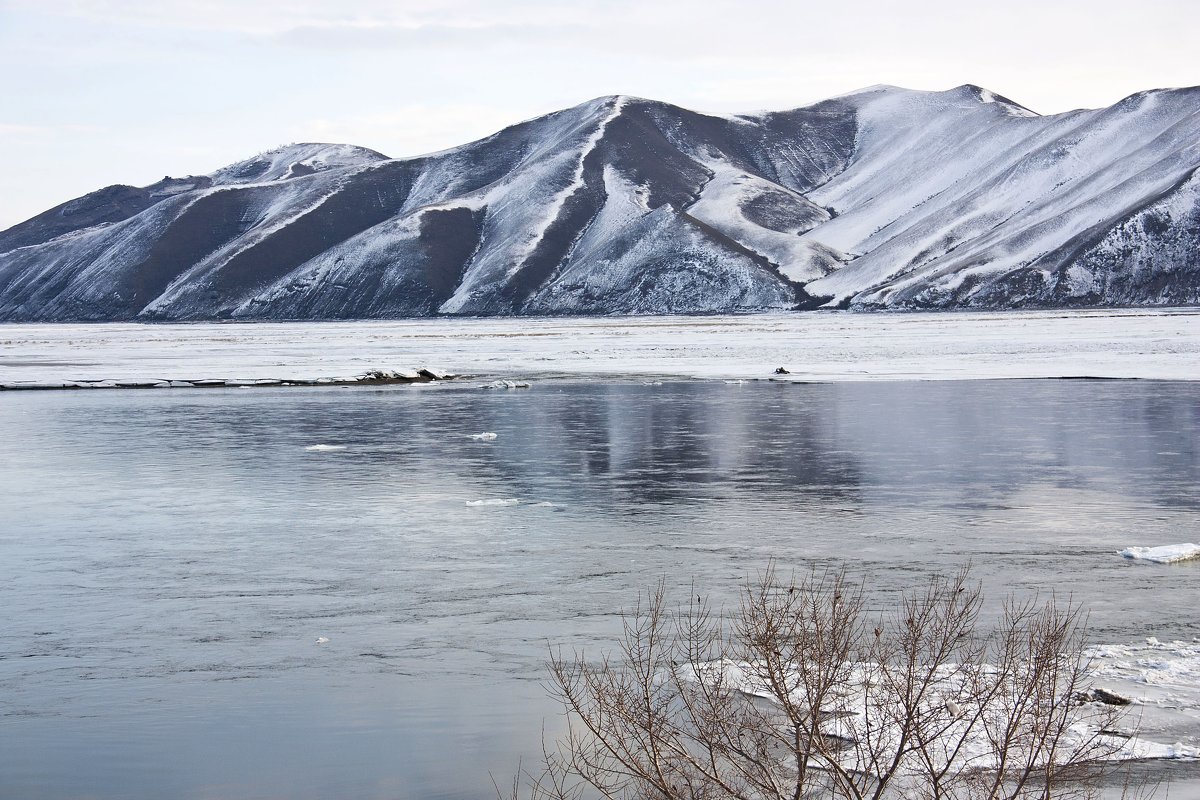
{"x": 812, "y": 347}
{"x": 169, "y": 559}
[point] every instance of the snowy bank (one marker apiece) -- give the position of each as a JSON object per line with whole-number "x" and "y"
{"x": 864, "y": 716}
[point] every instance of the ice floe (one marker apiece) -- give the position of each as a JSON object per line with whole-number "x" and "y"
{"x": 1164, "y": 554}
{"x": 486, "y": 436}
{"x": 495, "y": 501}
{"x": 1161, "y": 679}
{"x": 324, "y": 448}
{"x": 1131, "y": 668}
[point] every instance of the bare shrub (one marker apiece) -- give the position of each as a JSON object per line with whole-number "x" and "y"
{"x": 801, "y": 693}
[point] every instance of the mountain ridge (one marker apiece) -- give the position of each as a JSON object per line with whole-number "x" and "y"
{"x": 878, "y": 199}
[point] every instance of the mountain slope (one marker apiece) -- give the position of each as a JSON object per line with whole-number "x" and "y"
{"x": 884, "y": 198}
{"x": 989, "y": 206}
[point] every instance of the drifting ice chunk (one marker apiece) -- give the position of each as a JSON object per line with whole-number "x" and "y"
{"x": 324, "y": 448}
{"x": 508, "y": 501}
{"x": 1166, "y": 554}
{"x": 483, "y": 437}
{"x": 508, "y": 385}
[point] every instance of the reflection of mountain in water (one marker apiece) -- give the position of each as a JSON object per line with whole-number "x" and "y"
{"x": 621, "y": 446}
{"x": 637, "y": 445}
{"x": 626, "y": 446}
{"x": 991, "y": 441}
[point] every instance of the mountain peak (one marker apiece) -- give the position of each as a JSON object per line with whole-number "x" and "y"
{"x": 295, "y": 160}
{"x": 624, "y": 99}
{"x": 983, "y": 95}
{"x": 968, "y": 92}
{"x": 610, "y": 103}
{"x": 875, "y": 88}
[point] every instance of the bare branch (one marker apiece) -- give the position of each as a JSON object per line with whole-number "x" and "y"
{"x": 798, "y": 696}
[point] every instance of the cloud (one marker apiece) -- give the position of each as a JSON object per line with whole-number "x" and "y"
{"x": 433, "y": 37}
{"x": 230, "y": 77}
{"x": 17, "y": 129}
{"x": 24, "y": 130}
{"x": 274, "y": 17}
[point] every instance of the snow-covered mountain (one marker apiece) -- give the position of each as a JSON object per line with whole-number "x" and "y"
{"x": 883, "y": 198}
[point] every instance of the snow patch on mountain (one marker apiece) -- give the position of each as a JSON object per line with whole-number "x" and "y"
{"x": 625, "y": 203}
{"x": 295, "y": 160}
{"x": 911, "y": 147}
{"x": 724, "y": 202}
{"x": 275, "y": 211}
{"x": 576, "y": 183}
{"x": 1152, "y": 256}
{"x": 1009, "y": 198}
{"x": 521, "y": 209}
{"x": 646, "y": 261}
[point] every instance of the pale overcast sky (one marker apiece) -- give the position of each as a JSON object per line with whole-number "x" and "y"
{"x": 95, "y": 92}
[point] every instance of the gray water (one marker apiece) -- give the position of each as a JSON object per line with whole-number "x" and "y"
{"x": 168, "y": 559}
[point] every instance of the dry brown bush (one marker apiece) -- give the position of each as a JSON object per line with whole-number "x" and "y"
{"x": 802, "y": 693}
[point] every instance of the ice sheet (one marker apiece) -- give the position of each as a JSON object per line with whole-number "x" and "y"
{"x": 815, "y": 346}
{"x": 1164, "y": 554}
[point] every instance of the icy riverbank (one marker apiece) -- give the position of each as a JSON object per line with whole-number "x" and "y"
{"x": 1160, "y": 681}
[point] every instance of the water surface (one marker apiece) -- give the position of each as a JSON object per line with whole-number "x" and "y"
{"x": 168, "y": 559}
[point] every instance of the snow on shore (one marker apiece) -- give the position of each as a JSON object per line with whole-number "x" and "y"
{"x": 1161, "y": 680}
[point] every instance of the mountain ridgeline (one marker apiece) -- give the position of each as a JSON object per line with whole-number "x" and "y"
{"x": 883, "y": 198}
